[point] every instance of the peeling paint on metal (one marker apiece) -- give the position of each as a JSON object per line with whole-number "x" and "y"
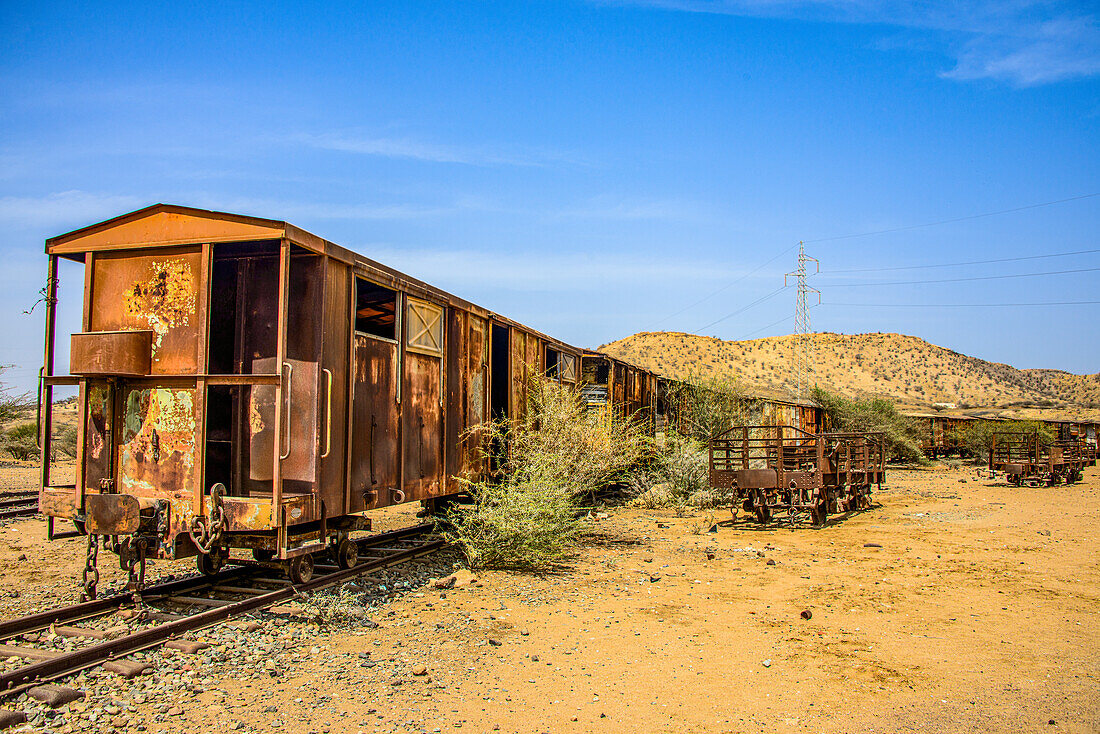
{"x": 165, "y": 300}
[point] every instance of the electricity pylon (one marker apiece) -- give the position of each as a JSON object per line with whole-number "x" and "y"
{"x": 803, "y": 361}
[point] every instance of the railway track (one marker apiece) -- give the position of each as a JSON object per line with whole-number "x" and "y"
{"x": 18, "y": 504}
{"x": 166, "y": 611}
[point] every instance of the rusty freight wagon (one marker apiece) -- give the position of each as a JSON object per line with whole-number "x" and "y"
{"x": 629, "y": 391}
{"x": 246, "y": 384}
{"x": 1027, "y": 458}
{"x": 784, "y": 469}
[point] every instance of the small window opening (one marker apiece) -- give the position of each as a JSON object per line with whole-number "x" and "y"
{"x": 375, "y": 310}
{"x": 552, "y": 364}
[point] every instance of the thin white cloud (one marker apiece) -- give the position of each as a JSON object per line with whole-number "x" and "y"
{"x": 465, "y": 270}
{"x": 65, "y": 208}
{"x": 1021, "y": 42}
{"x": 420, "y": 150}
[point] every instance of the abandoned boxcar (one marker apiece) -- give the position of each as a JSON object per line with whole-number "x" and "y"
{"x": 246, "y": 384}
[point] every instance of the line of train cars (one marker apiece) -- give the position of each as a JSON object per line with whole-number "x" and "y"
{"x": 244, "y": 384}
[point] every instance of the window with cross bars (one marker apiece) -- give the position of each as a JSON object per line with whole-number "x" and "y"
{"x": 425, "y": 328}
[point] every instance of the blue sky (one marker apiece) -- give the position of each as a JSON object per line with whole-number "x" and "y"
{"x": 590, "y": 168}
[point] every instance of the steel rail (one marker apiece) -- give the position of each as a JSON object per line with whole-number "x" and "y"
{"x": 18, "y": 681}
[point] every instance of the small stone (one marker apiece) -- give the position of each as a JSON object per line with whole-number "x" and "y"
{"x": 806, "y": 614}
{"x": 524, "y": 632}
{"x": 112, "y": 709}
{"x": 174, "y": 711}
{"x": 534, "y": 658}
{"x": 420, "y": 670}
{"x": 768, "y": 663}
{"x": 872, "y": 545}
{"x": 710, "y": 556}
{"x": 770, "y": 562}
{"x": 654, "y": 578}
{"x": 713, "y": 528}
{"x": 1051, "y": 722}
{"x": 495, "y": 642}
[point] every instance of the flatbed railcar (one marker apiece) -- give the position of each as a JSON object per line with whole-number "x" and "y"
{"x": 770, "y": 469}
{"x": 244, "y": 384}
{"x": 1027, "y": 458}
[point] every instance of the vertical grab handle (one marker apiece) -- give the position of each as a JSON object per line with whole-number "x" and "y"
{"x": 38, "y": 411}
{"x": 289, "y": 395}
{"x": 328, "y": 412}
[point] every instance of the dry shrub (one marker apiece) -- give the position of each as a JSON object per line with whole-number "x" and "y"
{"x": 903, "y": 434}
{"x": 556, "y": 457}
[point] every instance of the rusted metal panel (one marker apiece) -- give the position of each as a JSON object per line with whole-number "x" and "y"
{"x": 333, "y": 415}
{"x": 115, "y": 353}
{"x": 421, "y": 427}
{"x": 59, "y": 503}
{"x": 299, "y": 430}
{"x": 457, "y": 405}
{"x": 165, "y": 224}
{"x": 98, "y": 432}
{"x": 156, "y": 448}
{"x": 157, "y": 292}
{"x": 112, "y": 514}
{"x": 375, "y": 442}
{"x": 520, "y": 372}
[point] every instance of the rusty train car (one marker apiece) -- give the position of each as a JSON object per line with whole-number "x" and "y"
{"x": 776, "y": 468}
{"x": 246, "y": 384}
{"x": 1027, "y": 458}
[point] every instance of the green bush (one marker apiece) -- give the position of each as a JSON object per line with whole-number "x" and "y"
{"x": 528, "y": 514}
{"x": 704, "y": 407}
{"x": 977, "y": 436}
{"x": 903, "y": 434}
{"x": 21, "y": 442}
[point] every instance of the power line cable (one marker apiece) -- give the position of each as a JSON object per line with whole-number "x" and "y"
{"x": 960, "y": 280}
{"x": 743, "y": 308}
{"x": 727, "y": 286}
{"x": 962, "y": 305}
{"x": 968, "y": 262}
{"x": 953, "y": 220}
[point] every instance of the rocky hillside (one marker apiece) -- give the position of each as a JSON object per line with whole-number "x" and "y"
{"x": 906, "y": 369}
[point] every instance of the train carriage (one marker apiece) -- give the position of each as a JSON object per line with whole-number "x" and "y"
{"x": 782, "y": 468}
{"x": 246, "y": 384}
{"x": 1028, "y": 458}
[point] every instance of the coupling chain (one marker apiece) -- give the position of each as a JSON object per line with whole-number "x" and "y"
{"x": 91, "y": 572}
{"x": 206, "y": 530}
{"x": 135, "y": 549}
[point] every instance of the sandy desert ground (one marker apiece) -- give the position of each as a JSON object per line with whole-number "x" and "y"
{"x": 976, "y": 608}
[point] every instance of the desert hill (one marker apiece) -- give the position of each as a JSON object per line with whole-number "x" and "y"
{"x": 906, "y": 369}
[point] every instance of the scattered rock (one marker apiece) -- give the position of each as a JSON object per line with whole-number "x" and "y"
{"x": 654, "y": 578}
{"x": 713, "y": 528}
{"x": 770, "y": 562}
{"x": 534, "y": 658}
{"x": 524, "y": 632}
{"x": 420, "y": 670}
{"x": 872, "y": 545}
{"x": 806, "y": 614}
{"x": 768, "y": 663}
{"x": 710, "y": 556}
{"x": 494, "y": 642}
{"x": 174, "y": 711}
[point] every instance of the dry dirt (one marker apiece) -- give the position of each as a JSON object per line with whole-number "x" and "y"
{"x": 979, "y": 612}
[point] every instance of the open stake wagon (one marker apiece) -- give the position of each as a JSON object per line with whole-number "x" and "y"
{"x": 1027, "y": 458}
{"x": 783, "y": 468}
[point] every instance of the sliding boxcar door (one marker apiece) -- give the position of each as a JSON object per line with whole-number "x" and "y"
{"x": 334, "y": 388}
{"x": 375, "y": 431}
{"x": 421, "y": 414}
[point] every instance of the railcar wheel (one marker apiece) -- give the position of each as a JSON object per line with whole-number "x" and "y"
{"x": 763, "y": 512}
{"x": 263, "y": 554}
{"x": 347, "y": 553}
{"x": 300, "y": 570}
{"x": 210, "y": 563}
